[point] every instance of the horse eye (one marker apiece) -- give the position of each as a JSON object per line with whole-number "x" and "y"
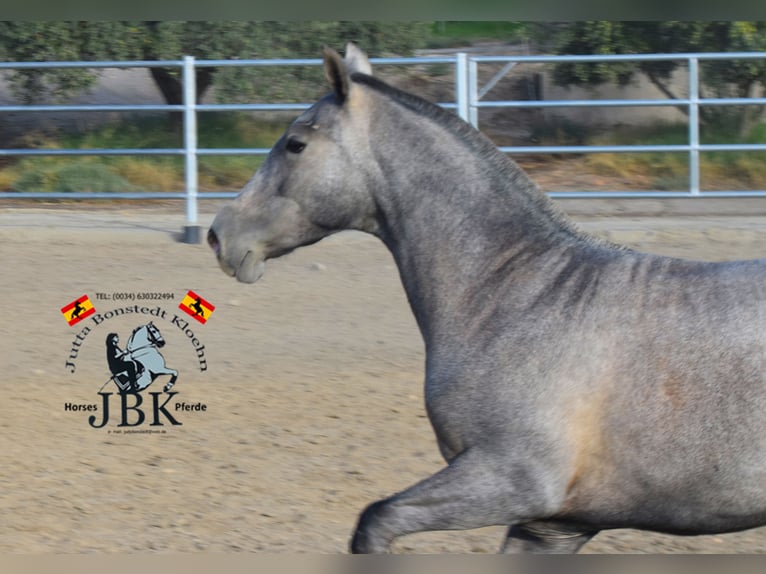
{"x": 295, "y": 146}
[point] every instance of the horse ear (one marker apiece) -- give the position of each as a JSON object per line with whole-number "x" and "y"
{"x": 356, "y": 60}
{"x": 336, "y": 73}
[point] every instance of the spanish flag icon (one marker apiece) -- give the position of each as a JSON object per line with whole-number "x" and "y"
{"x": 78, "y": 310}
{"x": 197, "y": 307}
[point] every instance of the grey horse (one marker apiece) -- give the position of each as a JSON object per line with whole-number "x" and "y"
{"x": 573, "y": 385}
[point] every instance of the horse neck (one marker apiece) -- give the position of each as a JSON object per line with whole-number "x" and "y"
{"x": 136, "y": 340}
{"x": 452, "y": 209}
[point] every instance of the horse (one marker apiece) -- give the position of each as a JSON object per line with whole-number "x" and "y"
{"x": 573, "y": 385}
{"x": 142, "y": 348}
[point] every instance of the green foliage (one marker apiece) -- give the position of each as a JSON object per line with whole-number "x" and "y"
{"x": 662, "y": 37}
{"x": 306, "y": 40}
{"x": 640, "y": 37}
{"x": 720, "y": 78}
{"x": 158, "y": 40}
{"x": 720, "y": 170}
{"x": 465, "y": 33}
{"x": 77, "y": 176}
{"x": 235, "y": 130}
{"x": 150, "y": 173}
{"x": 41, "y": 41}
{"x": 670, "y": 171}
{"x": 733, "y": 37}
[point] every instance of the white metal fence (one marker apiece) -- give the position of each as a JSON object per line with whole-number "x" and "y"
{"x": 468, "y": 100}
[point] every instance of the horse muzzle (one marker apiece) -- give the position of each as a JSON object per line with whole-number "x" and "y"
{"x": 248, "y": 269}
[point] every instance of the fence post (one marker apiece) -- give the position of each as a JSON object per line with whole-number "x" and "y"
{"x": 461, "y": 85}
{"x": 192, "y": 230}
{"x": 473, "y": 92}
{"x": 694, "y": 127}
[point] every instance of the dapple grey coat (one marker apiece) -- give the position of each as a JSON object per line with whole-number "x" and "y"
{"x": 573, "y": 385}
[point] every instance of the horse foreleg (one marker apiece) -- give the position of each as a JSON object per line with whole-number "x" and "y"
{"x": 468, "y": 493}
{"x": 545, "y": 538}
{"x": 172, "y": 381}
{"x": 143, "y": 380}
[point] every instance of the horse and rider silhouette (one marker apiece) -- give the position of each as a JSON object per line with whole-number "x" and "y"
{"x": 140, "y": 363}
{"x": 119, "y": 363}
{"x": 77, "y": 310}
{"x": 197, "y": 306}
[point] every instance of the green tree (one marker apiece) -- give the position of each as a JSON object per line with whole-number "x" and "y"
{"x": 739, "y": 78}
{"x": 306, "y": 40}
{"x": 40, "y": 41}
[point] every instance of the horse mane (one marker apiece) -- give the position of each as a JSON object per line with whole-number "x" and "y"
{"x": 482, "y": 146}
{"x": 474, "y": 139}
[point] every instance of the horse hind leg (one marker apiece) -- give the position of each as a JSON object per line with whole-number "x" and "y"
{"x": 545, "y": 538}
{"x": 466, "y": 494}
{"x": 143, "y": 380}
{"x": 172, "y": 381}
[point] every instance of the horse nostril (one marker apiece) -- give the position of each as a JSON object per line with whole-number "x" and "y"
{"x": 212, "y": 240}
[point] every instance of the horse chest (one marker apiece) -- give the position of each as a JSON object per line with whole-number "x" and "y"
{"x": 470, "y": 411}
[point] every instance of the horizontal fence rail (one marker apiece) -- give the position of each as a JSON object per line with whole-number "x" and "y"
{"x": 468, "y": 101}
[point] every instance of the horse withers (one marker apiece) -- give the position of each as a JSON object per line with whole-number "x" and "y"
{"x": 573, "y": 385}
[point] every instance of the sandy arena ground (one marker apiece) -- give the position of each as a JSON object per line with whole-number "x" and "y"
{"x": 313, "y": 391}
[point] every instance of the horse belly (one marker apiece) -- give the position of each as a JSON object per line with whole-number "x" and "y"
{"x": 681, "y": 448}
{"x": 680, "y": 509}
{"x": 689, "y": 480}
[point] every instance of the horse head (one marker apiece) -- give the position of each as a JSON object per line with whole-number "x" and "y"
{"x": 315, "y": 181}
{"x": 154, "y": 335}
{"x": 144, "y": 336}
